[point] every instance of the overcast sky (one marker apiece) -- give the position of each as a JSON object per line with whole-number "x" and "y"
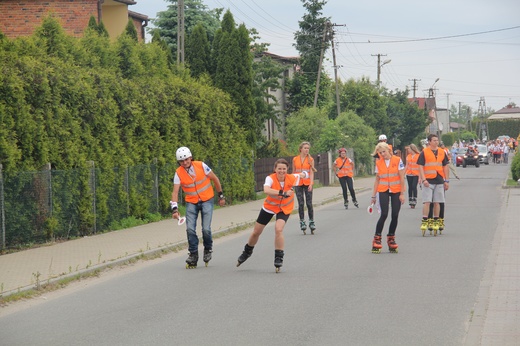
{"x": 472, "y": 46}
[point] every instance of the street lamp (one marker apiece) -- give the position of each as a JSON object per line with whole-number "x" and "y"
{"x": 379, "y": 69}
{"x": 432, "y": 95}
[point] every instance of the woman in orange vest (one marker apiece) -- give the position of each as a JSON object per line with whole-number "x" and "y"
{"x": 305, "y": 163}
{"x": 195, "y": 177}
{"x": 344, "y": 169}
{"x": 390, "y": 188}
{"x": 412, "y": 173}
{"x": 280, "y": 203}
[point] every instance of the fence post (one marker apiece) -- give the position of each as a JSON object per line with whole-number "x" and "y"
{"x": 2, "y": 205}
{"x": 92, "y": 181}
{"x": 156, "y": 184}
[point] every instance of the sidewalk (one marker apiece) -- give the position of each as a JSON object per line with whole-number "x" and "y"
{"x": 27, "y": 269}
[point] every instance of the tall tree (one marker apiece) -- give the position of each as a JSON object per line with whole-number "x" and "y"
{"x": 198, "y": 51}
{"x": 234, "y": 72}
{"x": 311, "y": 39}
{"x": 195, "y": 12}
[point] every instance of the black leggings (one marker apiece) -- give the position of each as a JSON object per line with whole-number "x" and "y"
{"x": 385, "y": 198}
{"x": 302, "y": 191}
{"x": 347, "y": 182}
{"x": 412, "y": 185}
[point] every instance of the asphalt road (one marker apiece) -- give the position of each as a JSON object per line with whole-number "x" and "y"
{"x": 331, "y": 291}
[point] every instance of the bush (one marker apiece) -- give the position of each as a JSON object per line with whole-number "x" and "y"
{"x": 515, "y": 167}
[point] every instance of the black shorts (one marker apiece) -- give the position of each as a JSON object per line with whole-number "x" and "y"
{"x": 264, "y": 217}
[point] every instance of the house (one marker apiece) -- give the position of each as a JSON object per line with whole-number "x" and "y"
{"x": 508, "y": 112}
{"x": 21, "y": 18}
{"x": 291, "y": 67}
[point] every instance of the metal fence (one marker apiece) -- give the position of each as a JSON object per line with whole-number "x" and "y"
{"x": 46, "y": 205}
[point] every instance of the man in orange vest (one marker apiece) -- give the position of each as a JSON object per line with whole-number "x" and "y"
{"x": 434, "y": 174}
{"x": 195, "y": 177}
{"x": 280, "y": 203}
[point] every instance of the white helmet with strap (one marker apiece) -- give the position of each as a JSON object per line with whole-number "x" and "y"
{"x": 183, "y": 153}
{"x": 382, "y": 138}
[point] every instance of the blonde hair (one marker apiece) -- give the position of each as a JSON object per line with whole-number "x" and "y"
{"x": 414, "y": 148}
{"x": 379, "y": 146}
{"x": 311, "y": 160}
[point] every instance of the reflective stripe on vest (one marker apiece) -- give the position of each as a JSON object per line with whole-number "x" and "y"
{"x": 413, "y": 167}
{"x": 196, "y": 188}
{"x": 433, "y": 165}
{"x": 346, "y": 170}
{"x": 305, "y": 166}
{"x": 389, "y": 178}
{"x": 278, "y": 204}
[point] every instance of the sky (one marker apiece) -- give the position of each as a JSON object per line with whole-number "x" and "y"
{"x": 471, "y": 46}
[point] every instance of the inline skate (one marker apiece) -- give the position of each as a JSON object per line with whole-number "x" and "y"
{"x": 424, "y": 226}
{"x": 392, "y": 245}
{"x": 441, "y": 225}
{"x": 278, "y": 259}
{"x": 345, "y": 204}
{"x": 248, "y": 251}
{"x": 303, "y": 226}
{"x": 376, "y": 244}
{"x": 312, "y": 226}
{"x": 207, "y": 256}
{"x": 191, "y": 261}
{"x": 356, "y": 204}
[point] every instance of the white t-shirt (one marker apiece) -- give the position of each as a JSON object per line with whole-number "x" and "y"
{"x": 191, "y": 171}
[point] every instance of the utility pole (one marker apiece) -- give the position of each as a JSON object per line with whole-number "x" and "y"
{"x": 379, "y": 66}
{"x": 448, "y": 109}
{"x": 325, "y": 31}
{"x": 481, "y": 114}
{"x": 338, "y": 108}
{"x": 414, "y": 88}
{"x": 180, "y": 32}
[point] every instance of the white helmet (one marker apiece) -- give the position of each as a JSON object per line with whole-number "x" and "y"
{"x": 382, "y": 138}
{"x": 183, "y": 153}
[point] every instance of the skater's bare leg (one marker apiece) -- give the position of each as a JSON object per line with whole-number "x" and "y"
{"x": 279, "y": 241}
{"x": 257, "y": 231}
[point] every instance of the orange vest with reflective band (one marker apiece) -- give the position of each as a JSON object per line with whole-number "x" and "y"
{"x": 197, "y": 188}
{"x": 432, "y": 164}
{"x": 413, "y": 167}
{"x": 278, "y": 203}
{"x": 347, "y": 169}
{"x": 389, "y": 176}
{"x": 305, "y": 166}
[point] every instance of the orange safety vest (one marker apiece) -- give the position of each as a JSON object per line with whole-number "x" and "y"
{"x": 347, "y": 169}
{"x": 305, "y": 166}
{"x": 389, "y": 176}
{"x": 196, "y": 188}
{"x": 432, "y": 164}
{"x": 413, "y": 167}
{"x": 278, "y": 203}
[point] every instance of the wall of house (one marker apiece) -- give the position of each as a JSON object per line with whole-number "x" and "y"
{"x": 115, "y": 19}
{"x": 21, "y": 18}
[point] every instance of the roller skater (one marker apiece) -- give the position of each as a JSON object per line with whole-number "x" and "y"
{"x": 278, "y": 259}
{"x": 376, "y": 244}
{"x": 312, "y": 226}
{"x": 207, "y": 256}
{"x": 304, "y": 163}
{"x": 412, "y": 173}
{"x": 248, "y": 251}
{"x": 344, "y": 169}
{"x": 392, "y": 245}
{"x": 191, "y": 261}
{"x": 279, "y": 203}
{"x": 434, "y": 174}
{"x": 389, "y": 185}
{"x": 195, "y": 179}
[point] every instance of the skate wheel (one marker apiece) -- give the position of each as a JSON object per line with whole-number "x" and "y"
{"x": 312, "y": 232}
{"x": 423, "y": 232}
{"x": 394, "y": 251}
{"x": 190, "y": 267}
{"x": 304, "y": 233}
{"x": 376, "y": 250}
{"x": 206, "y": 263}
{"x": 277, "y": 269}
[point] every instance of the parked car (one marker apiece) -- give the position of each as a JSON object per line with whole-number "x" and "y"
{"x": 483, "y": 154}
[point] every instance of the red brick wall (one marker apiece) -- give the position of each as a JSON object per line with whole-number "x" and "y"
{"x": 139, "y": 27}
{"x": 20, "y": 18}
